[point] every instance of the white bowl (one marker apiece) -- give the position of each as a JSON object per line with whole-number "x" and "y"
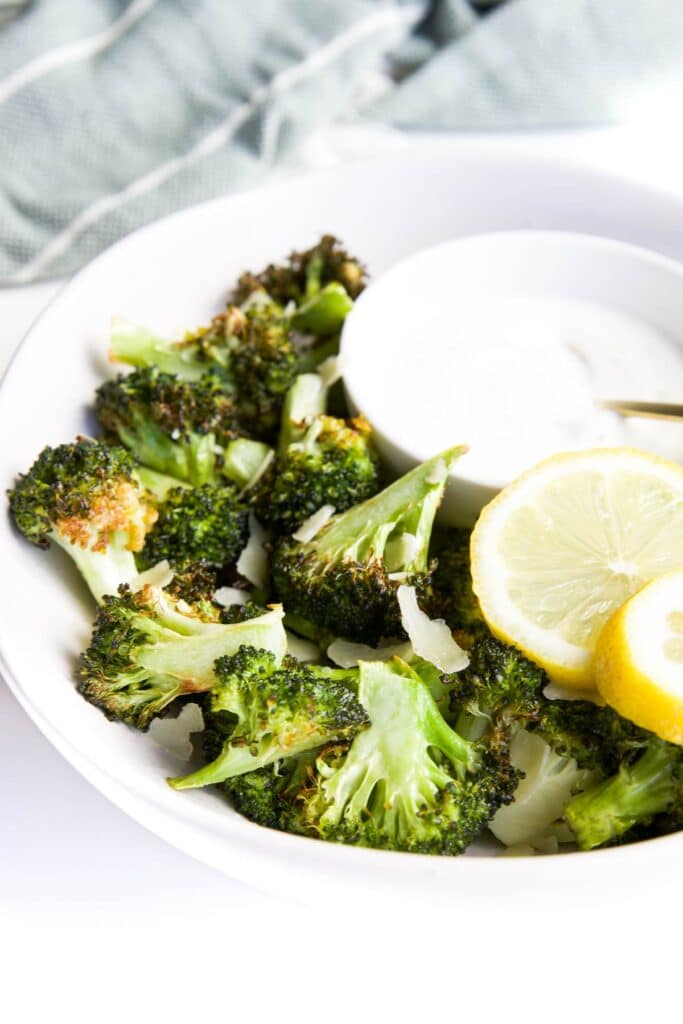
{"x": 408, "y": 335}
{"x": 173, "y": 274}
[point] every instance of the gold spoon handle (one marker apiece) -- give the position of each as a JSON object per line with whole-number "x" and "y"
{"x": 647, "y": 410}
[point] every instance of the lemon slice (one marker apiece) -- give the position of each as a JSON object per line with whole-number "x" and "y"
{"x": 639, "y": 658}
{"x": 560, "y": 549}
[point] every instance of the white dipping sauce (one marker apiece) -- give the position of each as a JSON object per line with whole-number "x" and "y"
{"x": 525, "y": 384}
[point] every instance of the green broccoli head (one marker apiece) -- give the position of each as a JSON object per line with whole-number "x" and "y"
{"x": 207, "y": 523}
{"x": 334, "y": 464}
{"x": 148, "y": 648}
{"x": 191, "y": 358}
{"x": 280, "y": 712}
{"x": 455, "y": 600}
{"x": 631, "y": 798}
{"x": 409, "y": 781}
{"x": 195, "y": 583}
{"x": 499, "y": 689}
{"x": 596, "y": 737}
{"x": 305, "y": 274}
{"x": 247, "y": 353}
{"x": 263, "y": 365}
{"x": 85, "y": 497}
{"x": 242, "y": 612}
{"x": 257, "y": 795}
{"x": 173, "y": 426}
{"x": 266, "y": 796}
{"x": 585, "y": 767}
{"x": 346, "y": 578}
{"x": 622, "y": 782}
{"x": 628, "y": 775}
{"x": 315, "y": 290}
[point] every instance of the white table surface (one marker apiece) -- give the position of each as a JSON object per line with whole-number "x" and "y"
{"x": 73, "y": 864}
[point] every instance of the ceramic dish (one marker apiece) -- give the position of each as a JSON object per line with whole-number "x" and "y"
{"x": 173, "y": 274}
{"x": 411, "y": 319}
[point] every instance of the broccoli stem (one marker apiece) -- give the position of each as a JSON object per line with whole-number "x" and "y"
{"x": 308, "y": 630}
{"x": 192, "y": 459}
{"x": 306, "y": 399}
{"x": 158, "y": 484}
{"x": 147, "y": 648}
{"x": 103, "y": 571}
{"x": 314, "y": 274}
{"x": 243, "y": 458}
{"x": 637, "y": 792}
{"x": 238, "y": 760}
{"x": 324, "y": 312}
{"x": 137, "y": 346}
{"x": 309, "y": 359}
{"x": 190, "y": 657}
{"x": 234, "y": 761}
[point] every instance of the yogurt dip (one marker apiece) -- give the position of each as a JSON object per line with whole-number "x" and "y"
{"x": 528, "y": 381}
{"x": 508, "y": 342}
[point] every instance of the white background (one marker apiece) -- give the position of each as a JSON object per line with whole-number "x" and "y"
{"x": 99, "y": 918}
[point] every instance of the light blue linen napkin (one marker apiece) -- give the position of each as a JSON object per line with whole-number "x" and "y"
{"x": 115, "y": 112}
{"x": 548, "y": 63}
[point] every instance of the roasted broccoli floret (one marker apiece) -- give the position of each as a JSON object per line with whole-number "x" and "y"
{"x": 207, "y": 523}
{"x": 408, "y": 782}
{"x": 253, "y": 351}
{"x": 263, "y": 365}
{"x": 173, "y": 426}
{"x": 148, "y": 648}
{"x": 258, "y": 795}
{"x": 266, "y": 796}
{"x": 596, "y": 737}
{"x": 346, "y": 578}
{"x": 321, "y": 460}
{"x": 85, "y": 497}
{"x": 196, "y": 584}
{"x": 500, "y": 688}
{"x": 247, "y": 354}
{"x": 257, "y": 346}
{"x": 279, "y": 712}
{"x": 500, "y": 693}
{"x": 305, "y": 274}
{"x": 589, "y": 769}
{"x": 455, "y": 598}
{"x": 242, "y": 612}
{"x": 639, "y": 790}
{"x": 314, "y": 290}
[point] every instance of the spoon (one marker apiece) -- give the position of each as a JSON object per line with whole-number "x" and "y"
{"x": 645, "y": 410}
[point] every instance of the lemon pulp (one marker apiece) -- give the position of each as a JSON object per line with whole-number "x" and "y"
{"x": 568, "y": 543}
